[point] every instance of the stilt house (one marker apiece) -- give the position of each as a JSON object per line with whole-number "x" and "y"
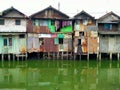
{"x": 52, "y": 31}
{"x": 12, "y": 33}
{"x": 85, "y": 35}
{"x": 109, "y": 34}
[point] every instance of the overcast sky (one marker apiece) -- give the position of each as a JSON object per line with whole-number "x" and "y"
{"x": 95, "y": 8}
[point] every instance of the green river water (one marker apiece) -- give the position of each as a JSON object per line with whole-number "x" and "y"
{"x": 59, "y": 75}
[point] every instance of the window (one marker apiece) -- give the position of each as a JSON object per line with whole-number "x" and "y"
{"x": 2, "y": 21}
{"x": 7, "y": 41}
{"x": 77, "y": 22}
{"x": 21, "y": 36}
{"x": 60, "y": 40}
{"x": 10, "y": 41}
{"x": 85, "y": 22}
{"x": 53, "y": 22}
{"x": 17, "y": 22}
{"x": 108, "y": 26}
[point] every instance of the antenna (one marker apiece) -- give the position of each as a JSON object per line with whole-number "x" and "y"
{"x": 59, "y": 6}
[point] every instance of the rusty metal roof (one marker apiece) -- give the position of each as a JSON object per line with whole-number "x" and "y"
{"x": 49, "y": 8}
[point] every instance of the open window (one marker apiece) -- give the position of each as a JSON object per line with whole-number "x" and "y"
{"x": 7, "y": 41}
{"x": 60, "y": 40}
{"x": 108, "y": 26}
{"x": 2, "y": 21}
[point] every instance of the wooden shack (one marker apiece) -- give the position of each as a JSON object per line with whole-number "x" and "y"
{"x": 109, "y": 34}
{"x": 12, "y": 33}
{"x": 85, "y": 35}
{"x": 53, "y": 31}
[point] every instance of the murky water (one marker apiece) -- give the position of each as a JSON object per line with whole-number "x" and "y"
{"x": 59, "y": 75}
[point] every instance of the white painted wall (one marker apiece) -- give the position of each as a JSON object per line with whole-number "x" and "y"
{"x": 10, "y": 26}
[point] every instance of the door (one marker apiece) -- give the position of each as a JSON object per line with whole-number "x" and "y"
{"x": 112, "y": 41}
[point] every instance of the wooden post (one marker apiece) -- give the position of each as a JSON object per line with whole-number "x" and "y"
{"x": 18, "y": 57}
{"x": 97, "y": 55}
{"x": 26, "y": 56}
{"x": 67, "y": 55}
{"x": 88, "y": 49}
{"x": 57, "y": 55}
{"x": 49, "y": 55}
{"x": 62, "y": 55}
{"x": 2, "y": 57}
{"x": 110, "y": 56}
{"x": 74, "y": 56}
{"x": 53, "y": 55}
{"x": 44, "y": 55}
{"x": 118, "y": 56}
{"x": 80, "y": 57}
{"x": 13, "y": 57}
{"x": 9, "y": 57}
{"x": 100, "y": 56}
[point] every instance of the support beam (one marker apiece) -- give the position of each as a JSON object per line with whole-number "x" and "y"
{"x": 67, "y": 55}
{"x": 88, "y": 56}
{"x": 100, "y": 56}
{"x": 74, "y": 56}
{"x": 110, "y": 56}
{"x": 9, "y": 57}
{"x": 118, "y": 56}
{"x": 13, "y": 57}
{"x": 80, "y": 57}
{"x": 88, "y": 46}
{"x": 26, "y": 56}
{"x": 62, "y": 55}
{"x": 97, "y": 56}
{"x": 57, "y": 55}
{"x": 2, "y": 57}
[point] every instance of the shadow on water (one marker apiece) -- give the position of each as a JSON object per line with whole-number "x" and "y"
{"x": 60, "y": 75}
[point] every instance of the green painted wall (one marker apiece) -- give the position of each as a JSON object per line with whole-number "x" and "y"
{"x": 18, "y": 45}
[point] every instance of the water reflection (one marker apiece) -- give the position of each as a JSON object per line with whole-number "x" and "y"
{"x": 59, "y": 75}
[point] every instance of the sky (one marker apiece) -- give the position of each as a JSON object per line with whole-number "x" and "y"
{"x": 96, "y": 8}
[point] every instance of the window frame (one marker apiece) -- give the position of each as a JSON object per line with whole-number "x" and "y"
{"x": 2, "y": 21}
{"x": 17, "y": 22}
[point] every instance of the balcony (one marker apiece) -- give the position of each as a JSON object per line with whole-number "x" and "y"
{"x": 92, "y": 28}
{"x": 109, "y": 32}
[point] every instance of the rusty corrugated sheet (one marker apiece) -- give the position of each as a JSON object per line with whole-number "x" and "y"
{"x": 84, "y": 46}
{"x": 29, "y": 26}
{"x": 36, "y": 29}
{"x": 49, "y": 45}
{"x": 44, "y": 29}
{"x": 93, "y": 44}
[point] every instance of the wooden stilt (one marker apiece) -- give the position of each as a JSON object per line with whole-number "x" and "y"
{"x": 100, "y": 56}
{"x": 9, "y": 57}
{"x": 44, "y": 55}
{"x": 80, "y": 57}
{"x": 22, "y": 56}
{"x": 110, "y": 56}
{"x": 118, "y": 56}
{"x": 53, "y": 55}
{"x": 38, "y": 55}
{"x": 13, "y": 57}
{"x": 88, "y": 56}
{"x": 97, "y": 56}
{"x": 49, "y": 55}
{"x": 2, "y": 57}
{"x": 67, "y": 55}
{"x": 62, "y": 55}
{"x": 88, "y": 50}
{"x": 26, "y": 56}
{"x": 17, "y": 58}
{"x": 74, "y": 56}
{"x": 57, "y": 55}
